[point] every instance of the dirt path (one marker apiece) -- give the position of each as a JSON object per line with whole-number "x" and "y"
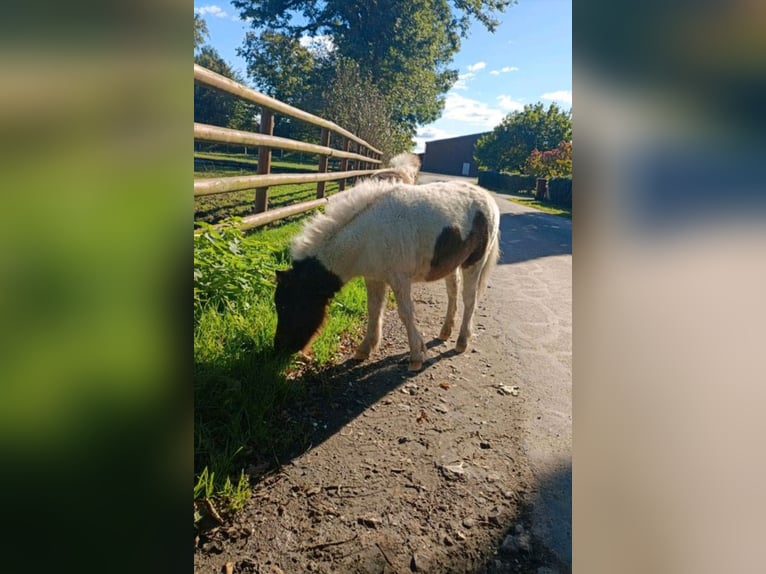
{"x": 463, "y": 467}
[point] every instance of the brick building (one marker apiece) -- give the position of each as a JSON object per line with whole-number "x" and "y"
{"x": 452, "y": 156}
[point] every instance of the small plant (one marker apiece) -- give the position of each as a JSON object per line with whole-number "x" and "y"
{"x": 228, "y": 270}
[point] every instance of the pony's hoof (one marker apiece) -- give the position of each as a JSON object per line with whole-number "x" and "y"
{"x": 461, "y": 345}
{"x": 444, "y": 334}
{"x": 414, "y": 366}
{"x": 361, "y": 355}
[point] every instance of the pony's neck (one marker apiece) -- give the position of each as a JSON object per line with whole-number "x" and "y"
{"x": 317, "y": 277}
{"x": 339, "y": 263}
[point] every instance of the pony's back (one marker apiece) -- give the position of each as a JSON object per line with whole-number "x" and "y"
{"x": 394, "y": 229}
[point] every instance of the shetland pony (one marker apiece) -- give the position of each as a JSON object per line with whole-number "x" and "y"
{"x": 391, "y": 234}
{"x": 401, "y": 168}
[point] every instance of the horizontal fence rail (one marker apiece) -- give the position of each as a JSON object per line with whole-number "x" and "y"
{"x": 224, "y": 84}
{"x": 272, "y": 215}
{"x": 215, "y": 185}
{"x": 362, "y": 161}
{"x": 204, "y": 132}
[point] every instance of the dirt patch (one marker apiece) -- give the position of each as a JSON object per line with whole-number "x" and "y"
{"x": 403, "y": 473}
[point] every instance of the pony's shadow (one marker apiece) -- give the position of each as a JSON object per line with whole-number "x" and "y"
{"x": 336, "y": 395}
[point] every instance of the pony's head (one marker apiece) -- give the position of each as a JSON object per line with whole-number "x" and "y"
{"x": 301, "y": 299}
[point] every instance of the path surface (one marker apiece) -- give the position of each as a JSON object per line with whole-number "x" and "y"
{"x": 441, "y": 471}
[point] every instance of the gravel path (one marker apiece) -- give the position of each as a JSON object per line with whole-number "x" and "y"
{"x": 463, "y": 467}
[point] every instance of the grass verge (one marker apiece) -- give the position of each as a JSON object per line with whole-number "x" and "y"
{"x": 240, "y": 387}
{"x": 530, "y": 201}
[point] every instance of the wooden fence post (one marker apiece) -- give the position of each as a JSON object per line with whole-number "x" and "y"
{"x": 324, "y": 141}
{"x": 264, "y": 161}
{"x": 346, "y": 145}
{"x": 354, "y": 164}
{"x": 541, "y": 190}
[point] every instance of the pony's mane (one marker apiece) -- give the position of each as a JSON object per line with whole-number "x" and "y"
{"x": 341, "y": 209}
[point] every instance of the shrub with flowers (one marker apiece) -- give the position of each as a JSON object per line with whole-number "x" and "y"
{"x": 551, "y": 163}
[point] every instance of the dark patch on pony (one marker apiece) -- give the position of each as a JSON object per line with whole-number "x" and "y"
{"x": 301, "y": 299}
{"x": 451, "y": 250}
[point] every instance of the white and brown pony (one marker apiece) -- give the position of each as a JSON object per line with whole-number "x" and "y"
{"x": 391, "y": 234}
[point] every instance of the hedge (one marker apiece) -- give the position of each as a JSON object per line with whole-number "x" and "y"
{"x": 559, "y": 188}
{"x": 509, "y": 182}
{"x": 560, "y": 191}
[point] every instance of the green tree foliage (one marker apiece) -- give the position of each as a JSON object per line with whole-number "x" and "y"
{"x": 210, "y": 106}
{"x": 404, "y": 47}
{"x": 288, "y": 71}
{"x": 351, "y": 100}
{"x": 280, "y": 66}
{"x": 200, "y": 31}
{"x": 509, "y": 145}
{"x": 551, "y": 163}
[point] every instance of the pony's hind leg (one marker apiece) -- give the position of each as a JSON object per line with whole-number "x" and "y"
{"x": 376, "y": 296}
{"x": 471, "y": 277}
{"x": 406, "y": 309}
{"x": 453, "y": 282}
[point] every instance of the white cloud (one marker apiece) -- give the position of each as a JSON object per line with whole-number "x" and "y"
{"x": 504, "y": 70}
{"x": 562, "y": 96}
{"x": 462, "y": 81}
{"x": 211, "y": 10}
{"x": 508, "y": 103}
{"x": 477, "y": 66}
{"x": 462, "y": 109}
{"x": 322, "y": 43}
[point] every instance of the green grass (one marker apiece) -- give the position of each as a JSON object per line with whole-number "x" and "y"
{"x": 249, "y": 162}
{"x": 241, "y": 388}
{"x": 530, "y": 201}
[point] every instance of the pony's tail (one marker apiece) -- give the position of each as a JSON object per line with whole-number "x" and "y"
{"x": 489, "y": 262}
{"x": 407, "y": 164}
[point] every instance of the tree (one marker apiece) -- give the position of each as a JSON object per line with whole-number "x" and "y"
{"x": 404, "y": 47}
{"x": 551, "y": 163}
{"x": 509, "y": 145}
{"x": 214, "y": 107}
{"x": 352, "y": 101}
{"x": 200, "y": 31}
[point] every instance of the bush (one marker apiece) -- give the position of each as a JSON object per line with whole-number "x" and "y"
{"x": 560, "y": 191}
{"x": 551, "y": 163}
{"x": 506, "y": 182}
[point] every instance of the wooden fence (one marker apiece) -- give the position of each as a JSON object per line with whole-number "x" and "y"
{"x": 357, "y": 157}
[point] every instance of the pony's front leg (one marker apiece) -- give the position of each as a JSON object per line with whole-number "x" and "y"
{"x": 406, "y": 309}
{"x": 376, "y": 296}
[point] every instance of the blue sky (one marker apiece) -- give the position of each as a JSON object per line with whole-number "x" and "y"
{"x": 527, "y": 59}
